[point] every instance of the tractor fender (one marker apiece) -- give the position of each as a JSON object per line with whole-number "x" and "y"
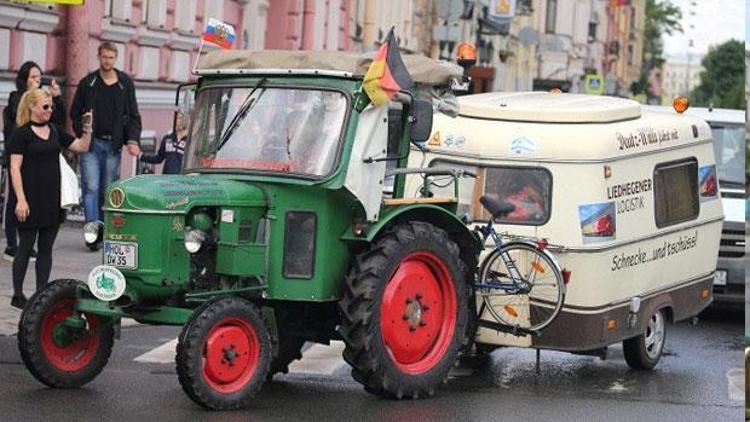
{"x": 468, "y": 241}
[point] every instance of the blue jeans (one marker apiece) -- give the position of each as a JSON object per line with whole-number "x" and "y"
{"x": 99, "y": 168}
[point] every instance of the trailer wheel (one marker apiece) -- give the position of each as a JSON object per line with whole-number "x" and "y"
{"x": 289, "y": 350}
{"x": 223, "y": 354}
{"x": 55, "y": 354}
{"x": 643, "y": 352}
{"x": 405, "y": 311}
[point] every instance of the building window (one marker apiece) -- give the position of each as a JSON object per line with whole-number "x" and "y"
{"x": 184, "y": 16}
{"x": 358, "y": 19}
{"x": 333, "y": 25}
{"x": 213, "y": 9}
{"x": 631, "y": 54}
{"x": 592, "y": 31}
{"x": 119, "y": 9}
{"x": 549, "y": 26}
{"x": 676, "y": 192}
{"x": 154, "y": 13}
{"x": 632, "y": 18}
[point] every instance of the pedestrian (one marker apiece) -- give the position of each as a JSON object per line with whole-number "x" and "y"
{"x": 110, "y": 94}
{"x": 34, "y": 149}
{"x": 172, "y": 148}
{"x": 29, "y": 76}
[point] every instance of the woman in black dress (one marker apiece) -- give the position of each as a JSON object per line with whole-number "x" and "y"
{"x": 29, "y": 76}
{"x": 34, "y": 152}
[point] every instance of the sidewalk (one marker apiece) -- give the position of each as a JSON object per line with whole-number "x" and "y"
{"x": 70, "y": 259}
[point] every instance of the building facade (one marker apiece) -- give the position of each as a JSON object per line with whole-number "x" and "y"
{"x": 370, "y": 21}
{"x": 627, "y": 19}
{"x": 547, "y": 43}
{"x": 679, "y": 78}
{"x": 158, "y": 41}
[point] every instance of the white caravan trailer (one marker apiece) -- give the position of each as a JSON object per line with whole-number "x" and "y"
{"x": 729, "y": 134}
{"x": 627, "y": 200}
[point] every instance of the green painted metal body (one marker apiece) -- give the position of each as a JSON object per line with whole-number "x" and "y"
{"x": 158, "y": 209}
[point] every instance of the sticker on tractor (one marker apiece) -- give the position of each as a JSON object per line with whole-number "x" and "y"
{"x": 106, "y": 283}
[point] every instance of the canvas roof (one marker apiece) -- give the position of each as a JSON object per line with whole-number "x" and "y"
{"x": 423, "y": 70}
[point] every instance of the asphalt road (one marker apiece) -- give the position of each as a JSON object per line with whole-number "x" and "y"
{"x": 699, "y": 378}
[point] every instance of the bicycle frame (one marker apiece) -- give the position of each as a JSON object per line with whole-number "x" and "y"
{"x": 517, "y": 284}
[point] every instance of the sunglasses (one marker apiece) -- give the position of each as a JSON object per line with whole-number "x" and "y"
{"x": 48, "y": 107}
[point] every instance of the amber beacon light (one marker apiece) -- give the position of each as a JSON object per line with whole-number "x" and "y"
{"x": 466, "y": 54}
{"x": 680, "y": 104}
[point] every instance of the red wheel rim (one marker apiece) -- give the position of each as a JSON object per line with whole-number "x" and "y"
{"x": 231, "y": 355}
{"x": 418, "y": 313}
{"x": 75, "y": 355}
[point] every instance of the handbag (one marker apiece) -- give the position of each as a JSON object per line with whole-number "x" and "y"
{"x": 69, "y": 194}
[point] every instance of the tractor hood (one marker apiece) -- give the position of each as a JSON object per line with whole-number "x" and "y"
{"x": 180, "y": 193}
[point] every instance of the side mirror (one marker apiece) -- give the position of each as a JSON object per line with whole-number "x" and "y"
{"x": 421, "y": 120}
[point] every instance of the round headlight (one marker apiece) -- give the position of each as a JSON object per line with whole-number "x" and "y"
{"x": 194, "y": 240}
{"x": 91, "y": 232}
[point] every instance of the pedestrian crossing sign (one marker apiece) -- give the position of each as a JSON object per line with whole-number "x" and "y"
{"x": 594, "y": 84}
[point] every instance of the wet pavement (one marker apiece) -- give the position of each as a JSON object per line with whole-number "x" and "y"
{"x": 699, "y": 378}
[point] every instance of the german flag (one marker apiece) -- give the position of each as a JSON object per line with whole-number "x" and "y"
{"x": 387, "y": 74}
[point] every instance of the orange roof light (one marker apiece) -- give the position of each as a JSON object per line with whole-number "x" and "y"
{"x": 555, "y": 91}
{"x": 466, "y": 54}
{"x": 680, "y": 104}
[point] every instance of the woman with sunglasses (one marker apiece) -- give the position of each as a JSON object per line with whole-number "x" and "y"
{"x": 34, "y": 150}
{"x": 29, "y": 76}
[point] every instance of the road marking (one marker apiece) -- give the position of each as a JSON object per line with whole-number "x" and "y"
{"x": 320, "y": 359}
{"x": 162, "y": 354}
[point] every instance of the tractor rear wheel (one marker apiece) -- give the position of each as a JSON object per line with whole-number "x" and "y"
{"x": 405, "y": 311}
{"x": 55, "y": 353}
{"x": 223, "y": 354}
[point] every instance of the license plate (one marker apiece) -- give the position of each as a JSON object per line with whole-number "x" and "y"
{"x": 720, "y": 278}
{"x": 121, "y": 254}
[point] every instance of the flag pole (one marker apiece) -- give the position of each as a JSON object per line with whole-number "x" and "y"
{"x": 200, "y": 50}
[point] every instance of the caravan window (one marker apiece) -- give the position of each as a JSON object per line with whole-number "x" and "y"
{"x": 676, "y": 192}
{"x": 528, "y": 188}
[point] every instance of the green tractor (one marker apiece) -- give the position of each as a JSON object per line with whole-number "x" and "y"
{"x": 289, "y": 224}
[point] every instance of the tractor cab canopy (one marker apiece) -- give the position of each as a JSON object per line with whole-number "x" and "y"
{"x": 423, "y": 70}
{"x": 432, "y": 78}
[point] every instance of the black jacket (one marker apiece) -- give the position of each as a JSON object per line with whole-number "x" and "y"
{"x": 128, "y": 127}
{"x": 170, "y": 152}
{"x": 11, "y": 110}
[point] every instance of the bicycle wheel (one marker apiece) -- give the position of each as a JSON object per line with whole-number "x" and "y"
{"x": 532, "y": 311}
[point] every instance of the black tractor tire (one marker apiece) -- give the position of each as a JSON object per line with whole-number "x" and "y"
{"x": 237, "y": 330}
{"x": 385, "y": 268}
{"x": 69, "y": 365}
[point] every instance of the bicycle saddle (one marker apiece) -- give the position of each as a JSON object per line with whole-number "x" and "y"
{"x": 499, "y": 209}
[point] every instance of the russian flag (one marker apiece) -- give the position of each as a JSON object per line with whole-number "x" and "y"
{"x": 219, "y": 33}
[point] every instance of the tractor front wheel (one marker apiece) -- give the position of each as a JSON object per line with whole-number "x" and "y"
{"x": 223, "y": 354}
{"x": 405, "y": 311}
{"x": 60, "y": 347}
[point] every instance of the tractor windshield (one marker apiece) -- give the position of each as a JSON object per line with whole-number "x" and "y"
{"x": 276, "y": 130}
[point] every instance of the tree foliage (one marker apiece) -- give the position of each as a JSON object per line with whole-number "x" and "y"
{"x": 662, "y": 17}
{"x": 723, "y": 80}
